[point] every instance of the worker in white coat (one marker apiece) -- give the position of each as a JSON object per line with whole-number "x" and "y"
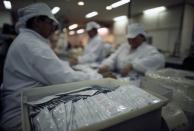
{"x": 93, "y": 51}
{"x": 135, "y": 55}
{"x": 32, "y": 63}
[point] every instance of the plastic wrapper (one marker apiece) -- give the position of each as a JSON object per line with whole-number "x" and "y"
{"x": 103, "y": 105}
{"x": 110, "y": 107}
{"x": 135, "y": 97}
{"x": 177, "y": 85}
{"x": 174, "y": 117}
{"x": 44, "y": 121}
{"x": 69, "y": 111}
{"x": 86, "y": 69}
{"x": 133, "y": 78}
{"x": 97, "y": 109}
{"x": 59, "y": 114}
{"x": 81, "y": 113}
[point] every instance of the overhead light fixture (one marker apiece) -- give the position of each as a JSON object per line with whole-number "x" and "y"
{"x": 81, "y": 3}
{"x": 73, "y": 26}
{"x": 154, "y": 10}
{"x": 55, "y": 10}
{"x": 120, "y": 18}
{"x": 7, "y": 4}
{"x": 72, "y": 32}
{"x": 108, "y": 8}
{"x": 119, "y": 3}
{"x": 80, "y": 31}
{"x": 92, "y": 14}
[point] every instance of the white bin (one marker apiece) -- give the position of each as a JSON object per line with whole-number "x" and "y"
{"x": 147, "y": 118}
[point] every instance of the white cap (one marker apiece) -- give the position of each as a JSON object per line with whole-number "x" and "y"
{"x": 92, "y": 25}
{"x": 36, "y": 9}
{"x": 135, "y": 30}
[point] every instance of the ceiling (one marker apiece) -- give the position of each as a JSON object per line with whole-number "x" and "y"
{"x": 72, "y": 13}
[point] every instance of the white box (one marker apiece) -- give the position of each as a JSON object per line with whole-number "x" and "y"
{"x": 147, "y": 118}
{"x": 177, "y": 85}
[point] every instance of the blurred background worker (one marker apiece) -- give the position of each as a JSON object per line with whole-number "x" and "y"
{"x": 31, "y": 62}
{"x": 135, "y": 55}
{"x": 94, "y": 49}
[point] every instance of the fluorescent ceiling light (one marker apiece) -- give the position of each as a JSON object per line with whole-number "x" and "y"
{"x": 7, "y": 4}
{"x": 108, "y": 8}
{"x": 154, "y": 10}
{"x": 80, "y": 3}
{"x": 120, "y": 18}
{"x": 80, "y": 31}
{"x": 71, "y": 27}
{"x": 92, "y": 14}
{"x": 72, "y": 32}
{"x": 119, "y": 3}
{"x": 55, "y": 10}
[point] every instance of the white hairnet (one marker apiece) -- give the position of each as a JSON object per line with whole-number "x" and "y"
{"x": 91, "y": 25}
{"x": 134, "y": 30}
{"x": 36, "y": 9}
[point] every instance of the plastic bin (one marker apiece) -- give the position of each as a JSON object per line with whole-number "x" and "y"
{"x": 147, "y": 118}
{"x": 177, "y": 85}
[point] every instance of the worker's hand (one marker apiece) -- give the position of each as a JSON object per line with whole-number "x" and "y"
{"x": 103, "y": 69}
{"x": 72, "y": 56}
{"x": 73, "y": 61}
{"x": 125, "y": 70}
{"x": 108, "y": 75}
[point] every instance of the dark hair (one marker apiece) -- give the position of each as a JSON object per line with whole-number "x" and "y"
{"x": 144, "y": 38}
{"x": 29, "y": 23}
{"x": 95, "y": 29}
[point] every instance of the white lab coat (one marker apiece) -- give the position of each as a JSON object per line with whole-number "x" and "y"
{"x": 144, "y": 58}
{"x": 93, "y": 51}
{"x": 31, "y": 63}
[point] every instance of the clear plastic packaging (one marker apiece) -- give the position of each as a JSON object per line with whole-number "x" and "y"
{"x": 44, "y": 121}
{"x": 69, "y": 111}
{"x": 60, "y": 117}
{"x": 92, "y": 109}
{"x": 177, "y": 85}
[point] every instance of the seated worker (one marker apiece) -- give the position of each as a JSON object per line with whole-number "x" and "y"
{"x": 94, "y": 48}
{"x": 135, "y": 55}
{"x": 31, "y": 62}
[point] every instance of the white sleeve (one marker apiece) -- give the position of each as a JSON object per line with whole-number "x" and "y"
{"x": 110, "y": 61}
{"x": 53, "y": 70}
{"x": 94, "y": 54}
{"x": 150, "y": 62}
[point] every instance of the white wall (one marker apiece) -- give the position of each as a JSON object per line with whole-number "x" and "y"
{"x": 163, "y": 27}
{"x": 4, "y": 18}
{"x": 119, "y": 30}
{"x": 187, "y": 30}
